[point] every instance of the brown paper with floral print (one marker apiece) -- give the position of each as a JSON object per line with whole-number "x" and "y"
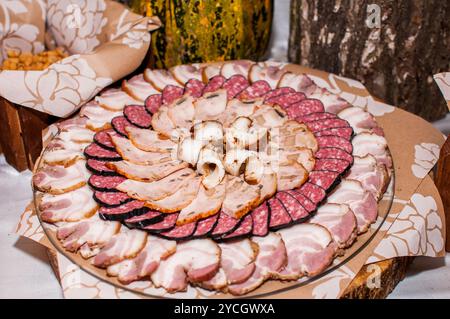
{"x": 105, "y": 41}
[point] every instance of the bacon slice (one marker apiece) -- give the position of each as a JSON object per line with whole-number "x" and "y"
{"x": 145, "y": 263}
{"x": 310, "y": 250}
{"x": 149, "y": 140}
{"x": 332, "y": 102}
{"x": 69, "y": 207}
{"x": 294, "y": 134}
{"x": 240, "y": 197}
{"x": 138, "y": 88}
{"x": 80, "y": 135}
{"x": 269, "y": 73}
{"x": 156, "y": 190}
{"x": 359, "y": 119}
{"x": 240, "y": 67}
{"x": 185, "y": 72}
{"x": 238, "y": 260}
{"x": 115, "y": 100}
{"x": 301, "y": 155}
{"x": 210, "y": 106}
{"x": 299, "y": 82}
{"x": 162, "y": 123}
{"x": 159, "y": 79}
{"x": 181, "y": 112}
{"x": 270, "y": 117}
{"x": 291, "y": 175}
{"x": 97, "y": 117}
{"x": 194, "y": 261}
{"x": 210, "y": 71}
{"x": 59, "y": 179}
{"x": 236, "y": 108}
{"x": 146, "y": 173}
{"x": 268, "y": 186}
{"x": 65, "y": 153}
{"x": 271, "y": 258}
{"x": 375, "y": 145}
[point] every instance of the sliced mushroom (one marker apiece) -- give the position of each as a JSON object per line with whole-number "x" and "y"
{"x": 189, "y": 150}
{"x": 211, "y": 167}
{"x": 235, "y": 160}
{"x": 254, "y": 170}
{"x": 208, "y": 131}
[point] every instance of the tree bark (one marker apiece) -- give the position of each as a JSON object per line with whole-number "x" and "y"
{"x": 395, "y": 59}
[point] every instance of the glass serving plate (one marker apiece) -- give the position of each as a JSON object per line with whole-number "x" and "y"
{"x": 269, "y": 289}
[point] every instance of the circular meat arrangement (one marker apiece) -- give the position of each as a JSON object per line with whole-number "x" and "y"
{"x": 243, "y": 173}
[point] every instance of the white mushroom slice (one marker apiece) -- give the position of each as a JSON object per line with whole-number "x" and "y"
{"x": 182, "y": 112}
{"x": 235, "y": 159}
{"x": 210, "y": 106}
{"x": 189, "y": 150}
{"x": 240, "y": 197}
{"x": 146, "y": 173}
{"x": 270, "y": 116}
{"x": 210, "y": 165}
{"x": 208, "y": 131}
{"x": 254, "y": 170}
{"x": 291, "y": 175}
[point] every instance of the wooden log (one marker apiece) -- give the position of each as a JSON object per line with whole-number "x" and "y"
{"x": 395, "y": 59}
{"x": 443, "y": 185}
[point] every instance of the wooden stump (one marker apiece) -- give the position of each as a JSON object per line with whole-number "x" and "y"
{"x": 395, "y": 59}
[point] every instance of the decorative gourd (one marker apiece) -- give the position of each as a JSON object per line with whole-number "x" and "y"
{"x": 205, "y": 30}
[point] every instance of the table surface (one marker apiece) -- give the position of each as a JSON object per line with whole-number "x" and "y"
{"x": 25, "y": 271}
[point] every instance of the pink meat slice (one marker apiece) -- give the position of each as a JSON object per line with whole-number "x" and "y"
{"x": 104, "y": 139}
{"x": 335, "y": 141}
{"x": 171, "y": 93}
{"x": 214, "y": 84}
{"x": 111, "y": 198}
{"x": 95, "y": 151}
{"x": 333, "y": 152}
{"x": 254, "y": 91}
{"x": 304, "y": 107}
{"x": 152, "y": 103}
{"x": 235, "y": 85}
{"x": 344, "y": 132}
{"x": 194, "y": 88}
{"x": 324, "y": 179}
{"x": 316, "y": 116}
{"x": 244, "y": 228}
{"x": 315, "y": 193}
{"x": 294, "y": 208}
{"x": 180, "y": 232}
{"x": 279, "y": 217}
{"x": 205, "y": 226}
{"x": 167, "y": 223}
{"x": 284, "y": 100}
{"x": 238, "y": 260}
{"x": 260, "y": 216}
{"x": 99, "y": 167}
{"x": 278, "y": 91}
{"x": 119, "y": 124}
{"x": 225, "y": 224}
{"x": 331, "y": 164}
{"x": 138, "y": 116}
{"x": 99, "y": 182}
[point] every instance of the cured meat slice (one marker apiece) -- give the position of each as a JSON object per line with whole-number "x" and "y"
{"x": 375, "y": 145}
{"x": 205, "y": 226}
{"x": 254, "y": 91}
{"x": 335, "y": 141}
{"x": 150, "y": 141}
{"x": 269, "y": 73}
{"x": 71, "y": 123}
{"x": 105, "y": 183}
{"x": 312, "y": 191}
{"x": 158, "y": 189}
{"x": 245, "y": 227}
{"x": 123, "y": 211}
{"x": 331, "y": 164}
{"x": 194, "y": 261}
{"x": 339, "y": 220}
{"x": 138, "y": 116}
{"x": 240, "y": 197}
{"x": 211, "y": 105}
{"x": 261, "y": 216}
{"x": 180, "y": 232}
{"x": 167, "y": 223}
{"x": 182, "y": 112}
{"x": 359, "y": 119}
{"x": 61, "y": 155}
{"x": 143, "y": 220}
{"x": 294, "y": 134}
{"x": 269, "y": 117}
{"x": 360, "y": 201}
{"x": 214, "y": 84}
{"x": 279, "y": 216}
{"x": 334, "y": 153}
{"x": 162, "y": 123}
{"x": 153, "y": 103}
{"x": 294, "y": 208}
{"x": 103, "y": 139}
{"x": 132, "y": 154}
{"x": 310, "y": 250}
{"x": 240, "y": 67}
{"x": 115, "y": 100}
{"x": 225, "y": 225}
{"x": 194, "y": 88}
{"x": 111, "y": 199}
{"x": 59, "y": 179}
{"x": 284, "y": 100}
{"x": 127, "y": 244}
{"x": 183, "y": 73}
{"x": 326, "y": 124}
{"x": 92, "y": 233}
{"x": 272, "y": 257}
{"x": 76, "y": 134}
{"x": 145, "y": 173}
{"x": 235, "y": 85}
{"x": 218, "y": 282}
{"x": 119, "y": 124}
{"x": 332, "y": 102}
{"x": 278, "y": 91}
{"x": 324, "y": 179}
{"x": 99, "y": 168}
{"x": 312, "y": 117}
{"x": 372, "y": 176}
{"x": 236, "y": 108}
{"x": 291, "y": 175}
{"x": 97, "y": 117}
{"x": 69, "y": 207}
{"x": 171, "y": 93}
{"x": 238, "y": 260}
{"x": 301, "y": 155}
{"x": 302, "y": 199}
{"x": 145, "y": 263}
{"x": 210, "y": 71}
{"x": 304, "y": 107}
{"x": 138, "y": 88}
{"x": 159, "y": 79}
{"x": 180, "y": 199}
{"x": 94, "y": 151}
{"x": 344, "y": 132}
{"x": 268, "y": 186}
{"x": 299, "y": 82}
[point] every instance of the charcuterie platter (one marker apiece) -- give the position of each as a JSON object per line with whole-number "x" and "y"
{"x": 233, "y": 179}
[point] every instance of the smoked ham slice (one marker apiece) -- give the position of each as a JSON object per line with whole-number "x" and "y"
{"x": 240, "y": 197}
{"x": 138, "y": 88}
{"x": 162, "y": 123}
{"x": 375, "y": 145}
{"x": 269, "y": 73}
{"x": 81, "y": 135}
{"x": 181, "y": 112}
{"x": 97, "y": 117}
{"x": 115, "y": 100}
{"x": 146, "y": 173}
{"x": 159, "y": 79}
{"x": 210, "y": 106}
{"x": 332, "y": 102}
{"x": 291, "y": 175}
{"x": 185, "y": 72}
{"x": 149, "y": 140}
{"x": 240, "y": 67}
{"x": 299, "y": 82}
{"x": 238, "y": 260}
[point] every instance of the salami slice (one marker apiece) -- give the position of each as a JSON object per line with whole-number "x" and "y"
{"x": 333, "y": 152}
{"x": 279, "y": 91}
{"x": 235, "y": 85}
{"x": 325, "y": 179}
{"x": 302, "y": 199}
{"x": 256, "y": 90}
{"x": 103, "y": 139}
{"x": 344, "y": 132}
{"x": 180, "y": 232}
{"x": 171, "y": 93}
{"x": 99, "y": 168}
{"x": 205, "y": 226}
{"x": 123, "y": 211}
{"x": 111, "y": 199}
{"x": 279, "y": 216}
{"x": 294, "y": 208}
{"x": 119, "y": 123}
{"x": 304, "y": 107}
{"x": 138, "y": 116}
{"x": 194, "y": 88}
{"x": 105, "y": 183}
{"x": 149, "y": 218}
{"x": 312, "y": 117}
{"x": 315, "y": 193}
{"x": 331, "y": 164}
{"x": 95, "y": 151}
{"x": 260, "y": 216}
{"x": 335, "y": 141}
{"x": 152, "y": 103}
{"x": 168, "y": 222}
{"x": 245, "y": 227}
{"x": 225, "y": 225}
{"x": 284, "y": 100}
{"x": 214, "y": 84}
{"x": 326, "y": 124}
